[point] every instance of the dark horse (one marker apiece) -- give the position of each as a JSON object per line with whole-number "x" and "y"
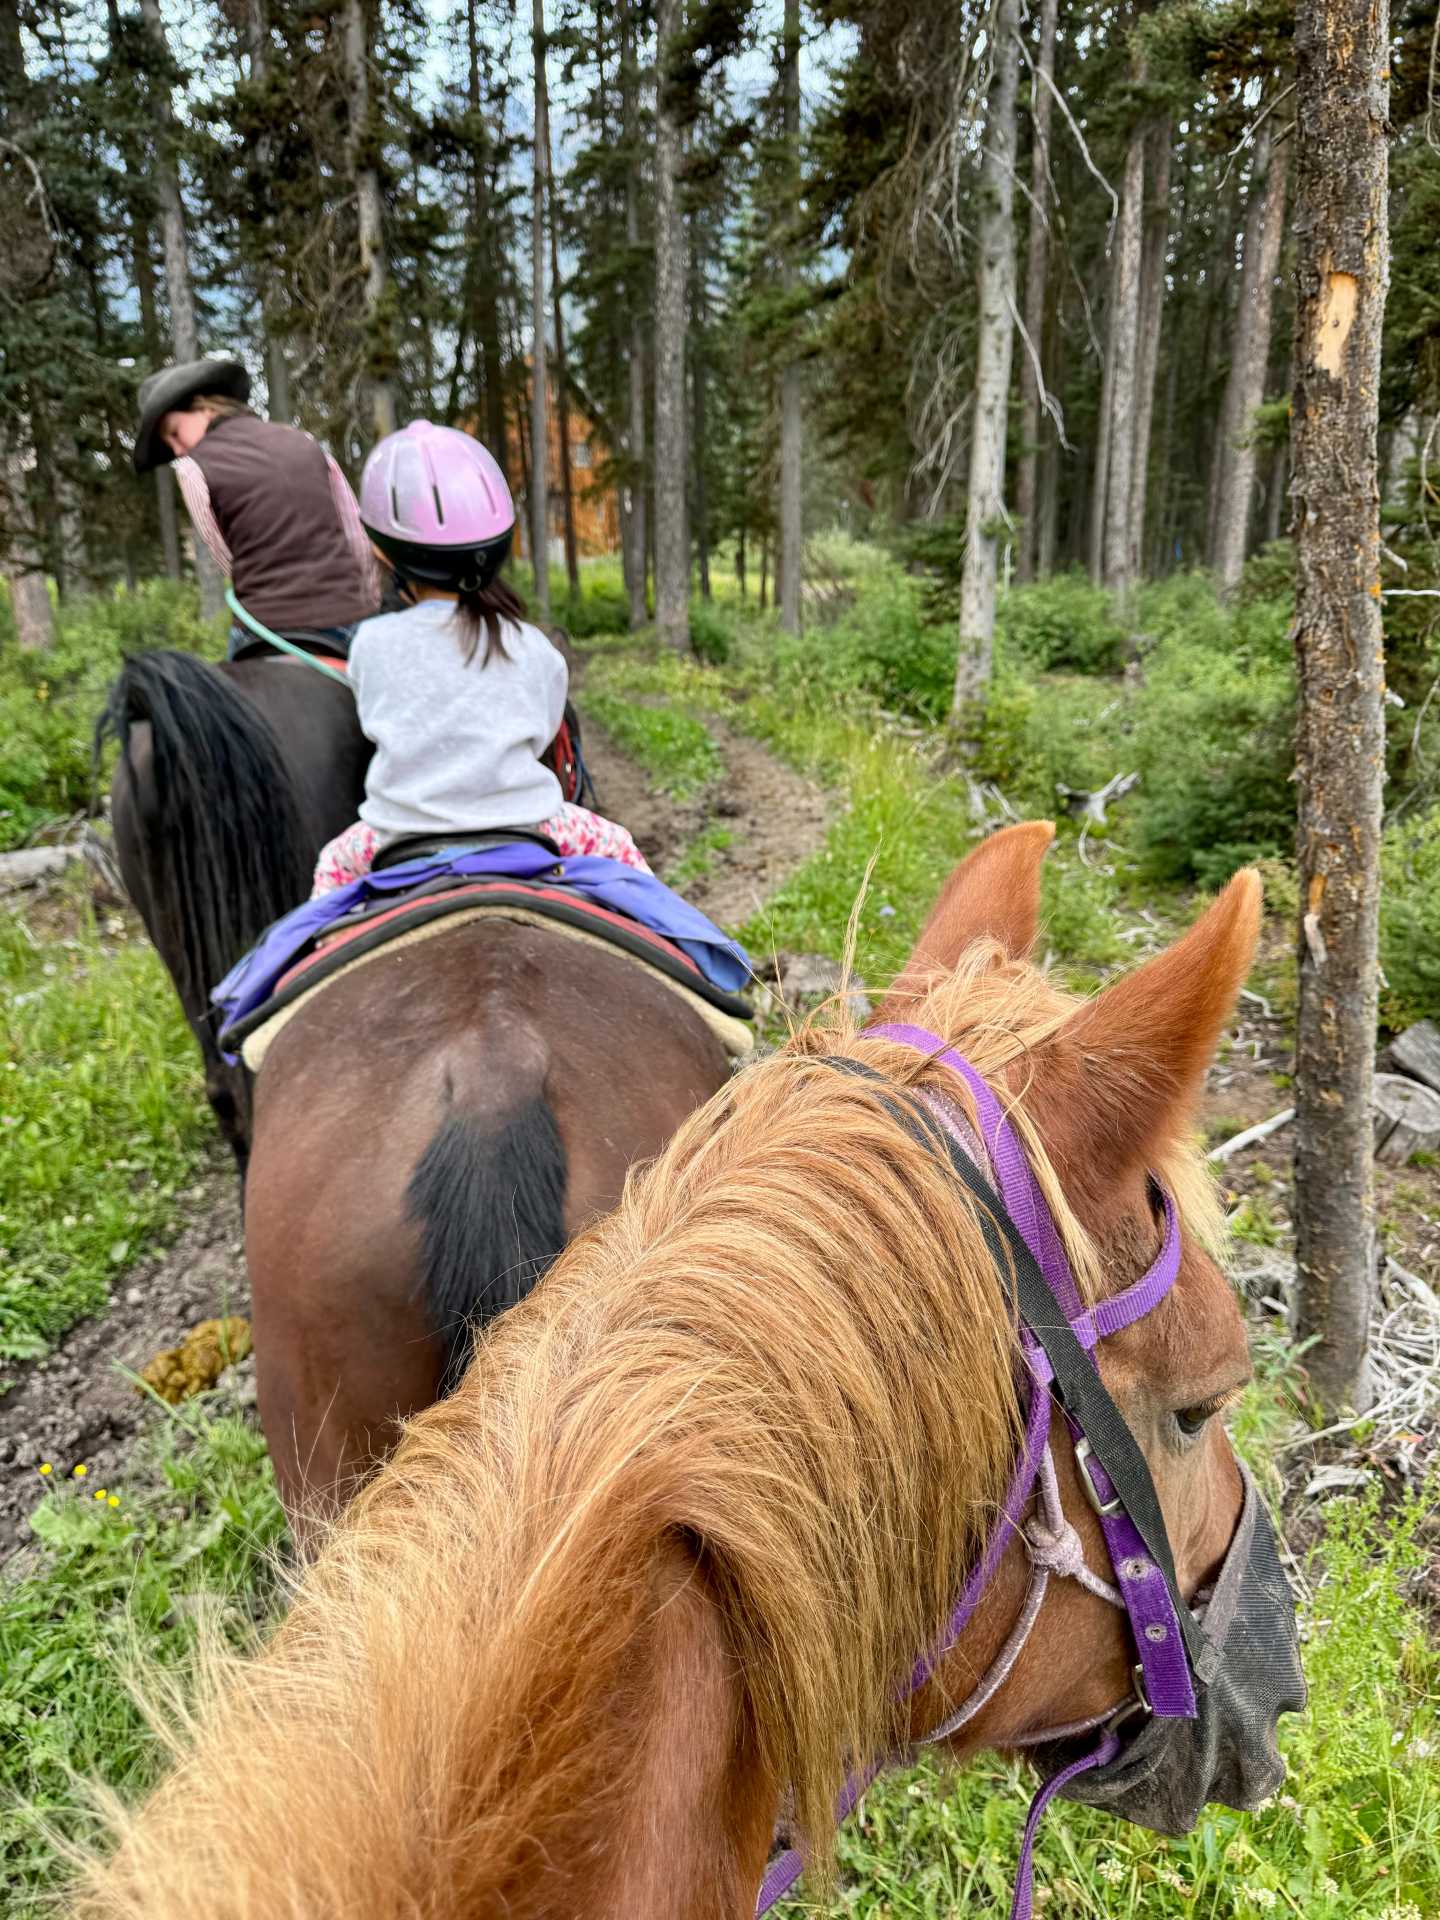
{"x": 428, "y": 1131}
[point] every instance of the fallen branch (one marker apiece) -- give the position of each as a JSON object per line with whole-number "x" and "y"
{"x": 1091, "y": 806}
{"x": 31, "y": 865}
{"x": 1252, "y": 1135}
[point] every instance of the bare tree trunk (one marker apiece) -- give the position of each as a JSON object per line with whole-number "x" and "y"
{"x": 184, "y": 331}
{"x": 633, "y": 485}
{"x": 20, "y": 560}
{"x": 985, "y": 502}
{"x": 562, "y": 393}
{"x": 484, "y": 267}
{"x": 374, "y": 266}
{"x": 1342, "y": 269}
{"x": 1152, "y": 303}
{"x": 672, "y": 551}
{"x": 539, "y": 429}
{"x": 699, "y": 395}
{"x": 1276, "y": 494}
{"x": 277, "y": 367}
{"x": 1037, "y": 269}
{"x": 1124, "y": 343}
{"x": 1230, "y": 423}
{"x": 144, "y": 268}
{"x": 790, "y": 558}
{"x": 1245, "y": 388}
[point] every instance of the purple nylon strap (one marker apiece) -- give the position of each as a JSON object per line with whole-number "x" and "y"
{"x": 1168, "y": 1687}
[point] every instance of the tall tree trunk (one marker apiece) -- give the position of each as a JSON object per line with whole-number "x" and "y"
{"x": 985, "y": 502}
{"x": 483, "y": 263}
{"x": 699, "y": 394}
{"x": 144, "y": 268}
{"x": 1037, "y": 268}
{"x": 633, "y": 485}
{"x": 562, "y": 401}
{"x": 672, "y": 547}
{"x": 790, "y": 559}
{"x": 1342, "y": 269}
{"x": 1152, "y": 303}
{"x": 1245, "y": 388}
{"x": 539, "y": 379}
{"x": 1117, "y": 571}
{"x": 272, "y": 306}
{"x": 20, "y": 559}
{"x": 1229, "y": 422}
{"x": 1275, "y": 494}
{"x": 184, "y": 329}
{"x": 374, "y": 263}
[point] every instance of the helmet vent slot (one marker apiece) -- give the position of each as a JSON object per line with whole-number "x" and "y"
{"x": 439, "y": 510}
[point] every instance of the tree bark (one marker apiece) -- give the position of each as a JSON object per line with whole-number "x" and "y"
{"x": 699, "y": 396}
{"x": 1037, "y": 270}
{"x": 1117, "y": 571}
{"x": 562, "y": 392}
{"x": 789, "y": 560}
{"x": 672, "y": 555}
{"x": 184, "y": 329}
{"x": 485, "y": 309}
{"x": 1342, "y": 269}
{"x": 272, "y": 306}
{"x": 633, "y": 484}
{"x": 374, "y": 265}
{"x": 985, "y": 501}
{"x": 144, "y": 268}
{"x": 20, "y": 559}
{"x": 1245, "y": 388}
{"x": 1152, "y": 304}
{"x": 539, "y": 428}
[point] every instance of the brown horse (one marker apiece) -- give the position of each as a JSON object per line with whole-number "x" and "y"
{"x": 707, "y": 1492}
{"x": 428, "y": 1131}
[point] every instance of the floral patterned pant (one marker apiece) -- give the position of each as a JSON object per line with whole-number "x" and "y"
{"x": 573, "y": 829}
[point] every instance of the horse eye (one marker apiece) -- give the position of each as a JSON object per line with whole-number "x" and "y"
{"x": 1191, "y": 1420}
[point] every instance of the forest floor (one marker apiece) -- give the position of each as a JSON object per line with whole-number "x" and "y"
{"x": 770, "y": 817}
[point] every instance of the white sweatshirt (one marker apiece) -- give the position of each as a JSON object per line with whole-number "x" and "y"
{"x": 457, "y": 748}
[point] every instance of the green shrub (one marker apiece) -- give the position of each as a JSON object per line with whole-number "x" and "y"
{"x": 1038, "y": 733}
{"x": 1410, "y": 921}
{"x": 601, "y": 606}
{"x": 1214, "y": 740}
{"x": 1063, "y": 622}
{"x": 710, "y": 637}
{"x": 49, "y": 701}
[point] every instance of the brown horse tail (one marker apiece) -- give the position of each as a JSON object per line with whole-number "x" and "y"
{"x": 488, "y": 1195}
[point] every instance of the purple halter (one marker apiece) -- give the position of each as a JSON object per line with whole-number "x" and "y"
{"x": 1163, "y": 1680}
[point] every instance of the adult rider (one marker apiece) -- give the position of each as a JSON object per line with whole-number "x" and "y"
{"x": 271, "y": 505}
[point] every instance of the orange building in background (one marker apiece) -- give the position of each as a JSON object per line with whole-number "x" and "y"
{"x": 597, "y": 506}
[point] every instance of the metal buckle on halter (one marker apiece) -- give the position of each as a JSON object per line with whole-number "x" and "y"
{"x": 1137, "y": 1706}
{"x": 1084, "y": 1453}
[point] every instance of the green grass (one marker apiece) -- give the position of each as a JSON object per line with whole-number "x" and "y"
{"x": 102, "y": 1120}
{"x": 197, "y": 1516}
{"x": 673, "y": 748}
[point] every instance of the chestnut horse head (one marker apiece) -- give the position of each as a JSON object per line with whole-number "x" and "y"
{"x": 662, "y": 1564}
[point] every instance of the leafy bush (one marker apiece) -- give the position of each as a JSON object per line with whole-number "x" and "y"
{"x": 883, "y": 645}
{"x": 1063, "y": 622}
{"x": 1410, "y": 921}
{"x": 601, "y": 606}
{"x": 710, "y": 638}
{"x": 1214, "y": 739}
{"x": 49, "y": 701}
{"x": 1038, "y": 733}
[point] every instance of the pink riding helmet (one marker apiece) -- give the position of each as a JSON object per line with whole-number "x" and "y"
{"x": 435, "y": 501}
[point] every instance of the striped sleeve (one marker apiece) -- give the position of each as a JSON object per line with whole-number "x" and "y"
{"x": 356, "y": 537}
{"x": 196, "y": 496}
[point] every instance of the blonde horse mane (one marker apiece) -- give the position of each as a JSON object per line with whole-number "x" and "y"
{"x": 787, "y": 1348}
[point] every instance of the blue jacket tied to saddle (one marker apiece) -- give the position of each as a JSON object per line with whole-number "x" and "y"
{"x": 608, "y": 883}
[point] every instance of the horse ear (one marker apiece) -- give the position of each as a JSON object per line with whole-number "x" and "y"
{"x": 1123, "y": 1075}
{"x": 994, "y": 892}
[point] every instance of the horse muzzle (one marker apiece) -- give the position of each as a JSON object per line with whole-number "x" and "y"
{"x": 1248, "y": 1674}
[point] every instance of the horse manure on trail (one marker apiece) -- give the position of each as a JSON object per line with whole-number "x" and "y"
{"x": 197, "y": 1363}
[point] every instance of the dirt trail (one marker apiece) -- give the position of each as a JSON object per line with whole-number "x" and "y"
{"x": 77, "y": 1404}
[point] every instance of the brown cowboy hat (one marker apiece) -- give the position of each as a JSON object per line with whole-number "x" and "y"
{"x": 175, "y": 387}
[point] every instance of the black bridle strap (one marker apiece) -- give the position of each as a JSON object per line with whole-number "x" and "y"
{"x": 1077, "y": 1382}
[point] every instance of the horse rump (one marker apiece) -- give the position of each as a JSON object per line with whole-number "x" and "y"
{"x": 488, "y": 1195}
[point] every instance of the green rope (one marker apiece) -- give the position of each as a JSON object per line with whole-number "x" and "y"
{"x": 285, "y": 646}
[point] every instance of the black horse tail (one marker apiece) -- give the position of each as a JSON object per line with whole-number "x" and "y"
{"x": 488, "y": 1195}
{"x": 223, "y": 829}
